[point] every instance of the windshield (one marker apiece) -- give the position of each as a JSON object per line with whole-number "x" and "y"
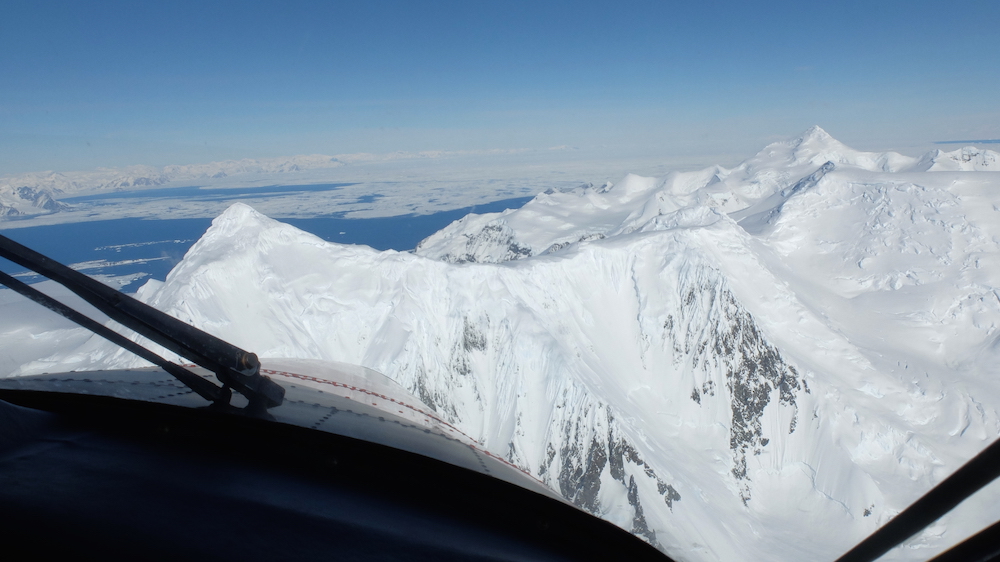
{"x": 723, "y": 275}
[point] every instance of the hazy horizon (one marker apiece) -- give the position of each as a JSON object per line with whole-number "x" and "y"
{"x": 129, "y": 83}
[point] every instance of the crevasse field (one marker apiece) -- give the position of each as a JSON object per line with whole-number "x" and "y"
{"x": 758, "y": 363}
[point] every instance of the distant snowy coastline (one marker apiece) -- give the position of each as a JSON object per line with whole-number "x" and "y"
{"x": 24, "y": 196}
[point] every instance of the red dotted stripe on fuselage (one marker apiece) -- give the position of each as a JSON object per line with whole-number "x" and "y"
{"x": 368, "y": 392}
{"x": 405, "y": 405}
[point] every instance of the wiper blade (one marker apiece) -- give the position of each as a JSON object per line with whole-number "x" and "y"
{"x": 235, "y": 368}
{"x": 204, "y": 388}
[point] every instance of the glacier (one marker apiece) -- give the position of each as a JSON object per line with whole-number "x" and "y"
{"x": 758, "y": 363}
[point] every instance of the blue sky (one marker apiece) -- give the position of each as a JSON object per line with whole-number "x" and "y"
{"x": 87, "y": 84}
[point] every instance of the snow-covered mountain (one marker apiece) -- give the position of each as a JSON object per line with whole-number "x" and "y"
{"x": 25, "y": 200}
{"x": 967, "y": 159}
{"x": 758, "y": 363}
{"x": 752, "y": 192}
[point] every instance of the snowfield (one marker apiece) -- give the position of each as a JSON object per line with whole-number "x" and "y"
{"x": 758, "y": 363}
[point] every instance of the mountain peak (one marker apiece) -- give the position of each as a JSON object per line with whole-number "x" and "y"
{"x": 239, "y": 211}
{"x": 239, "y": 217}
{"x": 816, "y": 139}
{"x": 816, "y": 133}
{"x": 813, "y": 147}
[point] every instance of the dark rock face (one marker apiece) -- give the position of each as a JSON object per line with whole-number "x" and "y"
{"x": 38, "y": 198}
{"x": 809, "y": 181}
{"x": 719, "y": 337}
{"x": 436, "y": 386}
{"x": 585, "y": 238}
{"x": 495, "y": 243}
{"x": 472, "y": 338}
{"x": 585, "y": 445}
{"x": 580, "y": 482}
{"x": 592, "y": 444}
{"x": 758, "y": 371}
{"x": 707, "y": 389}
{"x": 756, "y": 222}
{"x": 437, "y": 400}
{"x": 697, "y": 329}
{"x": 621, "y": 451}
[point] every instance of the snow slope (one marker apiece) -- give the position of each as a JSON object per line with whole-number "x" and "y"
{"x": 758, "y": 363}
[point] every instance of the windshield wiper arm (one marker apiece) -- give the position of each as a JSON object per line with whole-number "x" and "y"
{"x": 967, "y": 480}
{"x": 235, "y": 368}
{"x": 204, "y": 388}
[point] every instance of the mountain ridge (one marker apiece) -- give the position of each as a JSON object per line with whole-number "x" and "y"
{"x": 39, "y": 193}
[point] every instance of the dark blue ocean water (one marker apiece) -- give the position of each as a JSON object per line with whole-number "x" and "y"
{"x": 128, "y": 246}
